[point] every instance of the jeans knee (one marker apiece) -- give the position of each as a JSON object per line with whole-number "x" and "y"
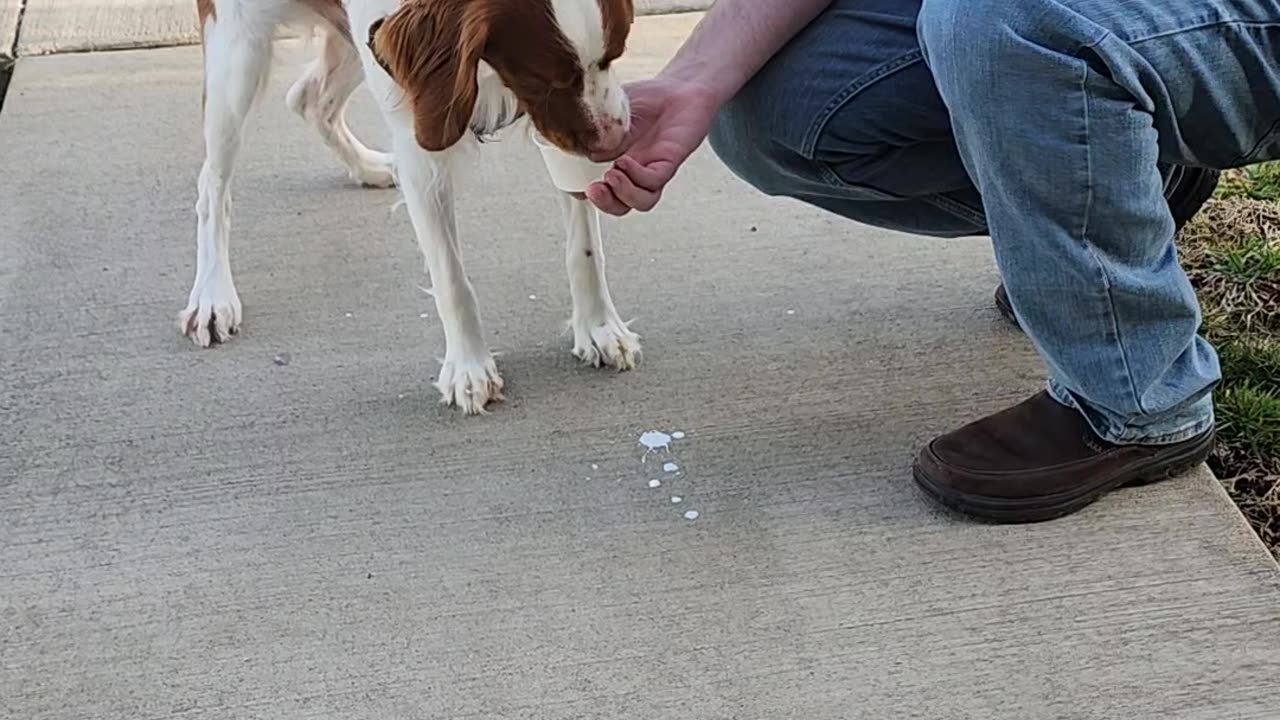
{"x": 977, "y": 47}
{"x": 954, "y": 35}
{"x": 971, "y": 24}
{"x": 736, "y": 139}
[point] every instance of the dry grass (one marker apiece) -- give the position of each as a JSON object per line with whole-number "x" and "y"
{"x": 1231, "y": 251}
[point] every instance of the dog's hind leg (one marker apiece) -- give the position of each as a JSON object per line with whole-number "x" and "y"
{"x": 320, "y": 97}
{"x": 237, "y": 55}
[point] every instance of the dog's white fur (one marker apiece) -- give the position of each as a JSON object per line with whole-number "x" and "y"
{"x": 238, "y": 43}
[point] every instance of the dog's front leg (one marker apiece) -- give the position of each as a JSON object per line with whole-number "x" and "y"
{"x": 600, "y": 337}
{"x": 468, "y": 378}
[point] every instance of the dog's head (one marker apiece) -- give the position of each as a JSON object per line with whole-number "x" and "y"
{"x": 555, "y": 56}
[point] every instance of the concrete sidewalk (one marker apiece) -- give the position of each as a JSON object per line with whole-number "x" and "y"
{"x": 211, "y": 535}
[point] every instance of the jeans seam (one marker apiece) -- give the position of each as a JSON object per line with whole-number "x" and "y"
{"x": 1194, "y": 28}
{"x": 1121, "y": 434}
{"x": 1125, "y": 365}
{"x": 1128, "y": 437}
{"x": 1257, "y": 147}
{"x": 1243, "y": 158}
{"x": 957, "y": 208}
{"x": 829, "y": 175}
{"x": 810, "y": 141}
{"x": 942, "y": 202}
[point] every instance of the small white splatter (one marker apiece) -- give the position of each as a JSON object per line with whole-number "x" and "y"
{"x": 424, "y": 315}
{"x": 791, "y": 312}
{"x": 282, "y": 358}
{"x": 655, "y": 440}
{"x": 655, "y": 483}
{"x": 670, "y": 467}
{"x": 676, "y": 499}
{"x": 678, "y": 435}
{"x": 595, "y": 466}
{"x": 533, "y": 297}
{"x": 691, "y": 515}
{"x": 400, "y": 396}
{"x": 350, "y": 315}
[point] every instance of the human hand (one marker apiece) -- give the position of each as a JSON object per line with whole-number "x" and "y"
{"x": 669, "y": 120}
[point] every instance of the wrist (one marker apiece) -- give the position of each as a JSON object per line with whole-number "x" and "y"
{"x": 701, "y": 85}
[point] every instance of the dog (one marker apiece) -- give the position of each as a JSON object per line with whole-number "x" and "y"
{"x": 445, "y": 74}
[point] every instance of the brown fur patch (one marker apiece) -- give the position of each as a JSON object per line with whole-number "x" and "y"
{"x": 539, "y": 65}
{"x": 204, "y": 11}
{"x": 618, "y": 17}
{"x": 432, "y": 49}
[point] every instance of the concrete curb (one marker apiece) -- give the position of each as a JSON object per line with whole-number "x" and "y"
{"x": 51, "y": 27}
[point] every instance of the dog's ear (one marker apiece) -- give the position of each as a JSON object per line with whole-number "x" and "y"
{"x": 619, "y": 16}
{"x": 431, "y": 48}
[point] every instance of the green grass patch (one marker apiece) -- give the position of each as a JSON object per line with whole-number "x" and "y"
{"x": 1245, "y": 259}
{"x": 1231, "y": 252}
{"x": 1259, "y": 182}
{"x": 1250, "y": 416}
{"x": 1251, "y": 361}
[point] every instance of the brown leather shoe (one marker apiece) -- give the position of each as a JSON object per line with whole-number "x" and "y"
{"x": 1039, "y": 460}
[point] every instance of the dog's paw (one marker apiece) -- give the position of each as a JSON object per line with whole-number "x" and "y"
{"x": 470, "y": 385}
{"x": 376, "y": 171}
{"x": 610, "y": 343}
{"x": 212, "y": 315}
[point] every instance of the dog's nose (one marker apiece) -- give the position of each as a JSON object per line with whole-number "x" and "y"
{"x": 609, "y": 135}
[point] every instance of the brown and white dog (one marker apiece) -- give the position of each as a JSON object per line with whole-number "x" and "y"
{"x": 444, "y": 73}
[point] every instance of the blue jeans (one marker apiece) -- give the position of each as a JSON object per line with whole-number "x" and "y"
{"x": 1051, "y": 126}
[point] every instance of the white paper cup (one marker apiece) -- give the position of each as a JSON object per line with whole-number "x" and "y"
{"x": 569, "y": 172}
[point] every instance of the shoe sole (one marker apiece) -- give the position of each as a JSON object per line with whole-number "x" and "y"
{"x": 1052, "y": 507}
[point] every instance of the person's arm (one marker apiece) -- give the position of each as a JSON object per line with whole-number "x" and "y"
{"x": 734, "y": 40}
{"x": 672, "y": 113}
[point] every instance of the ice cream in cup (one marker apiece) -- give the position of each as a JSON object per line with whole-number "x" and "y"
{"x": 569, "y": 172}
